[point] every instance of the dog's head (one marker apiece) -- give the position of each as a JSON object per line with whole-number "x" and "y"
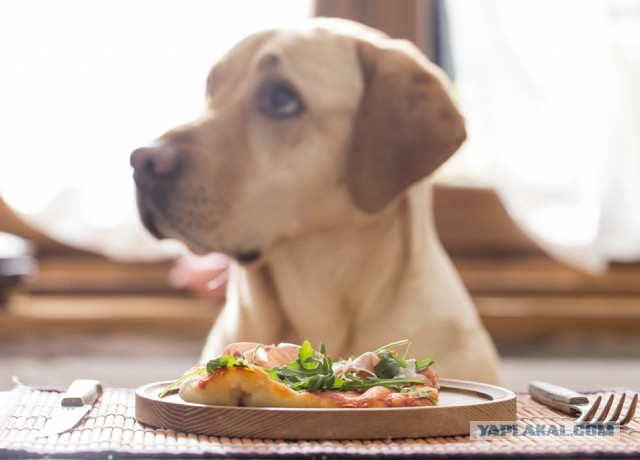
{"x": 302, "y": 130}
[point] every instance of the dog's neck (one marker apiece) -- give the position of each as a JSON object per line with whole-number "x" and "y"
{"x": 358, "y": 289}
{"x": 343, "y": 277}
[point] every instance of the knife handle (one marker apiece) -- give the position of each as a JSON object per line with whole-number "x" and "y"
{"x": 82, "y": 392}
{"x": 549, "y": 394}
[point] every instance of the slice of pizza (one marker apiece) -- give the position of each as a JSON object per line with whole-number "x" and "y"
{"x": 287, "y": 375}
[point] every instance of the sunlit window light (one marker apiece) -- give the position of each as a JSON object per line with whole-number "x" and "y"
{"x": 85, "y": 82}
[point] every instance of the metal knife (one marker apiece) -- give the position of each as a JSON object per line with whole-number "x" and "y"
{"x": 77, "y": 401}
{"x": 557, "y": 397}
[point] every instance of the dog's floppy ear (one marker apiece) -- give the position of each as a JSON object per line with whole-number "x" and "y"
{"x": 406, "y": 125}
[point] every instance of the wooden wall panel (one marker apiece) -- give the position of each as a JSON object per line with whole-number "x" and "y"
{"x": 408, "y": 19}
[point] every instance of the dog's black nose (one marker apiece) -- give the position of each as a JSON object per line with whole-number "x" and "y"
{"x": 154, "y": 164}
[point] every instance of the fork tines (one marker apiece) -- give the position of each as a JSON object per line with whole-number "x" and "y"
{"x": 590, "y": 415}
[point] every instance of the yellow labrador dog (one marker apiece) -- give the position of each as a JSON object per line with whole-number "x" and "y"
{"x": 308, "y": 166}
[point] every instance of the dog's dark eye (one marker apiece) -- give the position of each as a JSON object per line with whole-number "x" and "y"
{"x": 279, "y": 101}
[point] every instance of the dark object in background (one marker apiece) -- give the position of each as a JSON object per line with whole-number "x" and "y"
{"x": 16, "y": 264}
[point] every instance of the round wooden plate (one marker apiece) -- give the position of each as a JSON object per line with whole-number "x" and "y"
{"x": 460, "y": 403}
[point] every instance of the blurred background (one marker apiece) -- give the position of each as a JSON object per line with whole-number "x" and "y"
{"x": 540, "y": 209}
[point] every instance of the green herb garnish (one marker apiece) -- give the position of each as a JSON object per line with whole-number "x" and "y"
{"x": 423, "y": 364}
{"x": 177, "y": 383}
{"x": 224, "y": 361}
{"x": 208, "y": 368}
{"x": 311, "y": 373}
{"x": 399, "y": 343}
{"x": 390, "y": 363}
{"x": 389, "y": 366}
{"x": 307, "y": 372}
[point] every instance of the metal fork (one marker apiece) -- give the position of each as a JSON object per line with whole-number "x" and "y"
{"x": 576, "y": 404}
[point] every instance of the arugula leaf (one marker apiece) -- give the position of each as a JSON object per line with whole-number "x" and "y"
{"x": 424, "y": 364}
{"x": 177, "y": 383}
{"x": 389, "y": 365}
{"x": 420, "y": 365}
{"x": 306, "y": 352}
{"x": 399, "y": 343}
{"x": 272, "y": 373}
{"x": 255, "y": 354}
{"x": 363, "y": 385}
{"x": 307, "y": 372}
{"x": 224, "y": 361}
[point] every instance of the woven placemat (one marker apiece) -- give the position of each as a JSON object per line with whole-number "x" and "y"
{"x": 110, "y": 430}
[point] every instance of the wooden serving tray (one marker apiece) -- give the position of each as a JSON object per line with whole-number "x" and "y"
{"x": 460, "y": 403}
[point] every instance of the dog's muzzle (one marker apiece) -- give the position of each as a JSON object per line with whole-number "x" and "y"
{"x": 155, "y": 169}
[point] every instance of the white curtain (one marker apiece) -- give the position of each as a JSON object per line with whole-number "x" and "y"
{"x": 551, "y": 93}
{"x": 84, "y": 82}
